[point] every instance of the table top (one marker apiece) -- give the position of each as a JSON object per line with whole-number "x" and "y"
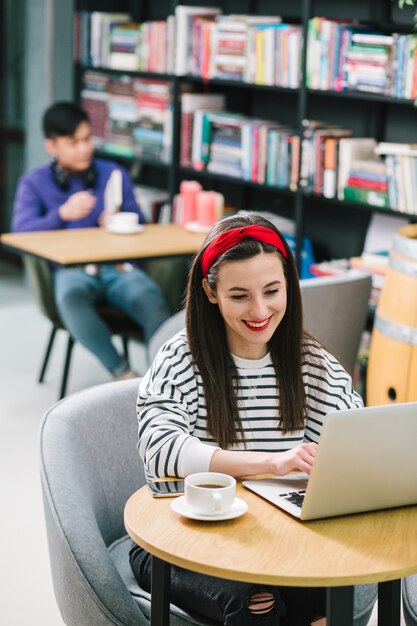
{"x": 268, "y": 546}
{"x": 95, "y": 245}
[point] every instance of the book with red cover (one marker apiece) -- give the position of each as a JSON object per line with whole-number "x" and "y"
{"x": 363, "y": 183}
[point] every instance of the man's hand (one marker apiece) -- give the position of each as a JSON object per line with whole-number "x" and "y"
{"x": 78, "y": 206}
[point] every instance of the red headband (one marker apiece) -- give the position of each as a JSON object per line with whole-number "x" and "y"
{"x": 232, "y": 237}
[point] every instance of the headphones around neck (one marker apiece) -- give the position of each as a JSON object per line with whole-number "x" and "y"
{"x": 61, "y": 179}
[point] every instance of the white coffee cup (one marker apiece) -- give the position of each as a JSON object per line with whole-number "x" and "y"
{"x": 210, "y": 493}
{"x": 124, "y": 221}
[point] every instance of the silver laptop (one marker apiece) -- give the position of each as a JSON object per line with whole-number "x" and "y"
{"x": 366, "y": 460}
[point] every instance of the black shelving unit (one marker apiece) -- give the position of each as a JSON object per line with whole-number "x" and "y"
{"x": 383, "y": 117}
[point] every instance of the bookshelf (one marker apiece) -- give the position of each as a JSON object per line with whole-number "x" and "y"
{"x": 337, "y": 227}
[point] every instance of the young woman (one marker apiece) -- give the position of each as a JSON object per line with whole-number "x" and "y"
{"x": 243, "y": 391}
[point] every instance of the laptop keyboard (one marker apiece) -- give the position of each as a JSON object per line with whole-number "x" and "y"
{"x": 295, "y": 497}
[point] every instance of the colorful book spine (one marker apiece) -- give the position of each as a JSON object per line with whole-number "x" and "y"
{"x": 364, "y": 196}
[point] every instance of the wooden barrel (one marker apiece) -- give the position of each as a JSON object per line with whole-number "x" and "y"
{"x": 392, "y": 365}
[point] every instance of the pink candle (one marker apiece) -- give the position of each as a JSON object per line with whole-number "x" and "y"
{"x": 206, "y": 208}
{"x": 188, "y": 193}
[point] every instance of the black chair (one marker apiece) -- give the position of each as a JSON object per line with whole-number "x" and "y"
{"x": 170, "y": 273}
{"x": 40, "y": 278}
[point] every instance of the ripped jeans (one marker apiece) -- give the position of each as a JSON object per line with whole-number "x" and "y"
{"x": 234, "y": 603}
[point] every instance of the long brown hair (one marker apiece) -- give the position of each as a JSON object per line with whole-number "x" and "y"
{"x": 206, "y": 333}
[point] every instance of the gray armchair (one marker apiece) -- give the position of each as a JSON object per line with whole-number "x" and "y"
{"x": 409, "y": 592}
{"x": 89, "y": 468}
{"x": 335, "y": 311}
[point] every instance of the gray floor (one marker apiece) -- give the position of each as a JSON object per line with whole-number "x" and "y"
{"x": 26, "y": 594}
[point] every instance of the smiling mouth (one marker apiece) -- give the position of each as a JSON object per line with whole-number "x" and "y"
{"x": 257, "y": 326}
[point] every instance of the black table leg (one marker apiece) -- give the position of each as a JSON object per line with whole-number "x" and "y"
{"x": 389, "y": 603}
{"x": 160, "y": 592}
{"x": 339, "y": 606}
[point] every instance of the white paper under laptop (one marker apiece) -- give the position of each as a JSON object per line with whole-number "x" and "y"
{"x": 366, "y": 460}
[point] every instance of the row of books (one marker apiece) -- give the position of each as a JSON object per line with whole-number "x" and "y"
{"x": 196, "y": 40}
{"x": 254, "y": 49}
{"x": 333, "y": 163}
{"x": 130, "y": 116}
{"x": 223, "y": 142}
{"x": 401, "y": 172}
{"x": 115, "y": 41}
{"x": 373, "y": 263}
{"x": 358, "y": 169}
{"x": 343, "y": 56}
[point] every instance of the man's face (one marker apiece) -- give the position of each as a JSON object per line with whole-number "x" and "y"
{"x": 73, "y": 152}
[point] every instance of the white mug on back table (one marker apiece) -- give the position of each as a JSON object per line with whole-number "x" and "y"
{"x": 121, "y": 222}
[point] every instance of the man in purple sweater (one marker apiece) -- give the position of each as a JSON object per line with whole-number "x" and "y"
{"x": 69, "y": 193}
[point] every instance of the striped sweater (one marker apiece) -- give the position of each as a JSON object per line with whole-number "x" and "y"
{"x": 173, "y": 437}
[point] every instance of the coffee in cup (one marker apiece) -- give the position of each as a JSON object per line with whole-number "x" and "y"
{"x": 210, "y": 493}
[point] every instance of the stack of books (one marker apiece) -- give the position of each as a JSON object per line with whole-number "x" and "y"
{"x": 334, "y": 267}
{"x": 124, "y": 44}
{"x": 367, "y": 183}
{"x": 353, "y": 149}
{"x": 100, "y": 35}
{"x": 273, "y": 155}
{"x": 156, "y": 46}
{"x": 221, "y": 149}
{"x": 255, "y": 49}
{"x": 319, "y": 158}
{"x": 190, "y": 104}
{"x": 188, "y": 53}
{"x": 256, "y": 150}
{"x": 401, "y": 169}
{"x": 404, "y": 82}
{"x": 367, "y": 62}
{"x": 200, "y": 63}
{"x": 241, "y": 51}
{"x": 122, "y": 116}
{"x": 153, "y": 128}
{"x": 344, "y": 56}
{"x": 274, "y": 55}
{"x": 91, "y": 36}
{"x": 95, "y": 101}
{"x": 229, "y": 43}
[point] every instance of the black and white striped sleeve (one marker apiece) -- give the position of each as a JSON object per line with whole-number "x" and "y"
{"x": 328, "y": 388}
{"x": 166, "y": 408}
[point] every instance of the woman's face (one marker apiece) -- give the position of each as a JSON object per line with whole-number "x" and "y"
{"x": 252, "y": 298}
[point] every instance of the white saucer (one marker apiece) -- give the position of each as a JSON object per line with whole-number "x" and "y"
{"x": 239, "y": 507}
{"x": 196, "y": 227}
{"x": 138, "y": 228}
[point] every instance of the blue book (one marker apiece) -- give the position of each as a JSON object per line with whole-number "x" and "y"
{"x": 271, "y": 157}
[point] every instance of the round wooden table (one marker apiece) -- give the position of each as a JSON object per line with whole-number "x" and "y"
{"x": 268, "y": 546}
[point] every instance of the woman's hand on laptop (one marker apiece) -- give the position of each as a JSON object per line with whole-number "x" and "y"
{"x": 249, "y": 463}
{"x": 300, "y": 458}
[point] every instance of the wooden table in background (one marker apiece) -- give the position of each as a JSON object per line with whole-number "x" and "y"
{"x": 267, "y": 546}
{"x": 95, "y": 245}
